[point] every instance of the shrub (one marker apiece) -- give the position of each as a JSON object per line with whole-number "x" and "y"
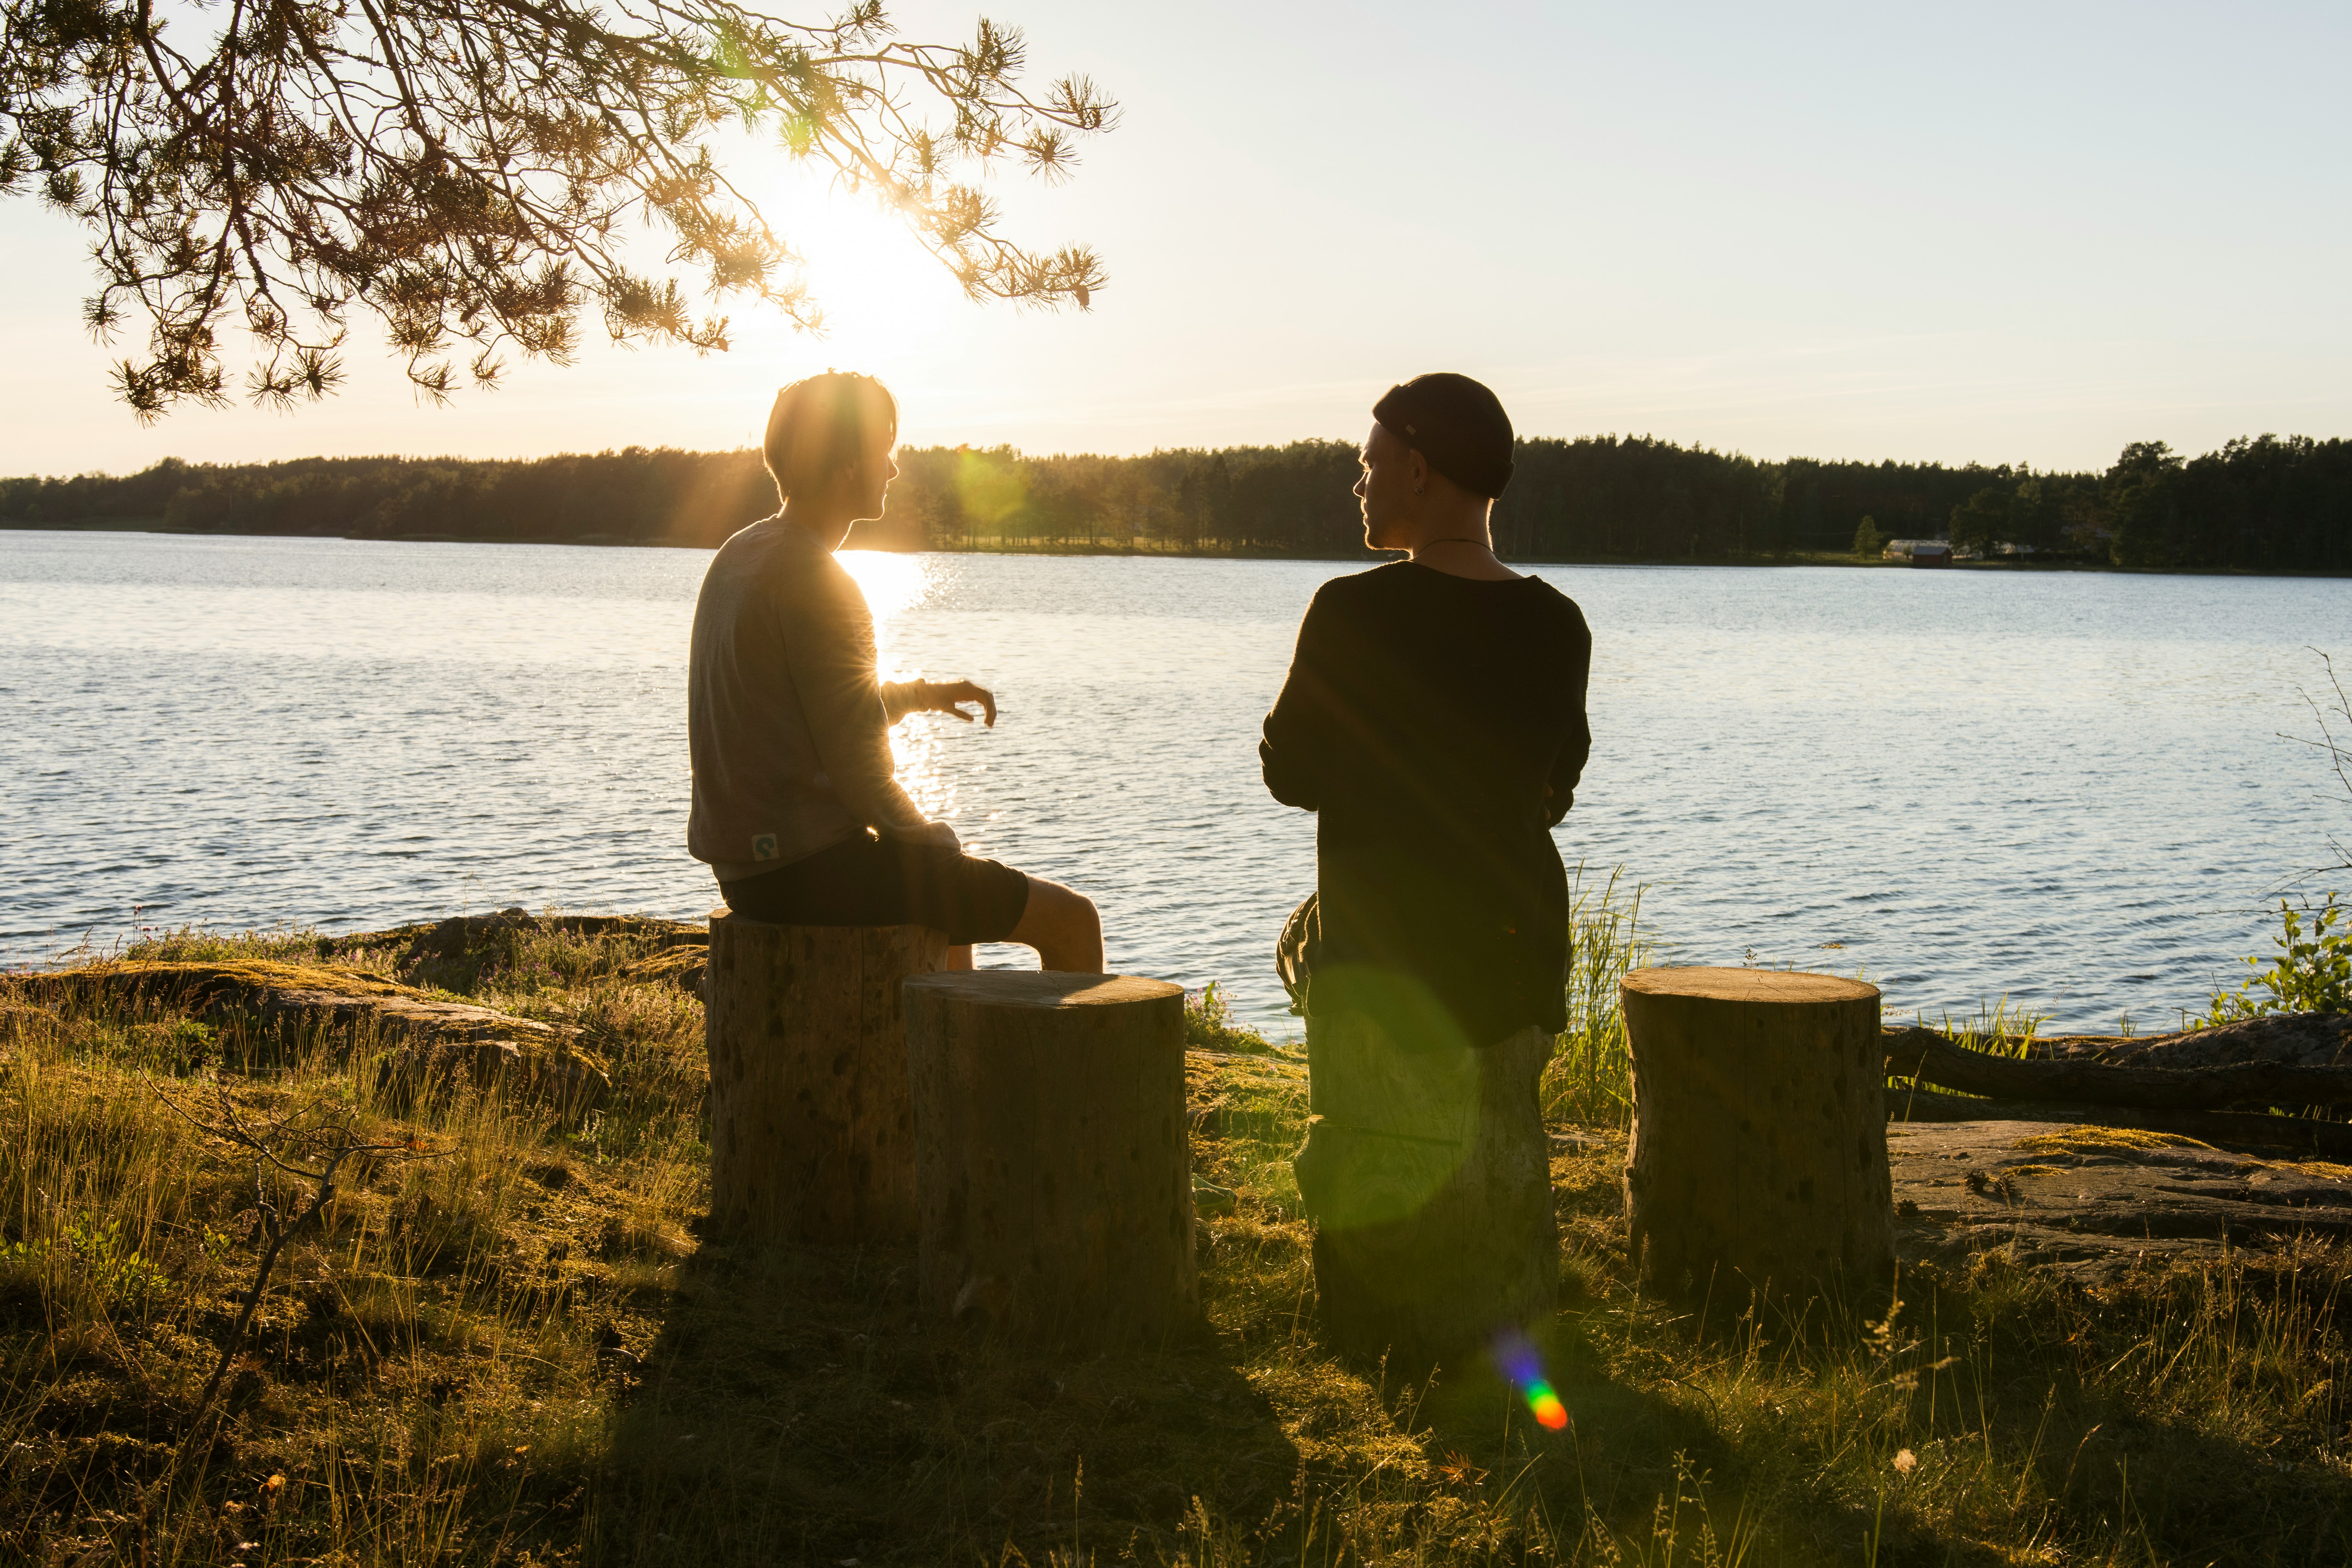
{"x": 2311, "y": 974}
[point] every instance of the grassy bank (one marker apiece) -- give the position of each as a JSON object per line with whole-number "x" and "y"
{"x": 505, "y": 1342}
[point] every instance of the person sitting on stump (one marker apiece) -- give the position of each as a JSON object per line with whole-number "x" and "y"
{"x": 796, "y": 806}
{"x": 1433, "y": 719}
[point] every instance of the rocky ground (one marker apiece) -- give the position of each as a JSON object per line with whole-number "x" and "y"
{"x": 2093, "y": 1200}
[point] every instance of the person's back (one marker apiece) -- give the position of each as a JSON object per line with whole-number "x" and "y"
{"x": 1436, "y": 724}
{"x": 763, "y": 793}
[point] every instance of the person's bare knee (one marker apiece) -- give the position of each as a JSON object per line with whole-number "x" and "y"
{"x": 1064, "y": 927}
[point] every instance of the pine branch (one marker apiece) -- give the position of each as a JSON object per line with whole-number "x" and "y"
{"x": 467, "y": 171}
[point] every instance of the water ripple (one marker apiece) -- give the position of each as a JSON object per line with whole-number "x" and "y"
{"x": 2067, "y": 789}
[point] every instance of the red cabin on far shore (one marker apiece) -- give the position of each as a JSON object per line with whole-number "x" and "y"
{"x": 1919, "y": 552}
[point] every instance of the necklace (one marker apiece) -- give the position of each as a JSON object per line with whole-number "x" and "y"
{"x": 1479, "y": 542}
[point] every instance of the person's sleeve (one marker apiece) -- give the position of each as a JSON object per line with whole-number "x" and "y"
{"x": 900, "y": 698}
{"x": 1576, "y": 738}
{"x": 1295, "y": 745}
{"x": 829, "y": 658}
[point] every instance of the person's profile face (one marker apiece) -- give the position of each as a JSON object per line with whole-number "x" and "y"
{"x": 875, "y": 473}
{"x": 1382, "y": 486}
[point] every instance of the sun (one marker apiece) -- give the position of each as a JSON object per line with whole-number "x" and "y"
{"x": 887, "y": 304}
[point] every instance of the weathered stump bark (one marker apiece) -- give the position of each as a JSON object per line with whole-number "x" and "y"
{"x": 811, "y": 1129}
{"x": 1428, "y": 1176}
{"x": 1054, "y": 1174}
{"x": 1759, "y": 1152}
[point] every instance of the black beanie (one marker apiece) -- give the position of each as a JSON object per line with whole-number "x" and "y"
{"x": 1456, "y": 424}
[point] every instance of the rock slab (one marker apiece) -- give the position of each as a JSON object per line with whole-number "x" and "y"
{"x": 2092, "y": 1199}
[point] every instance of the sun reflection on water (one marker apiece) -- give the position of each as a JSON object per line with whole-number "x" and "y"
{"x": 413, "y": 717}
{"x": 893, "y": 583}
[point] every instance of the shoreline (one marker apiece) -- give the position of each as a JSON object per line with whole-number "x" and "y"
{"x": 1822, "y": 559}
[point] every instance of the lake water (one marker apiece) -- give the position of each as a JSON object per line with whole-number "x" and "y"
{"x": 2068, "y": 789}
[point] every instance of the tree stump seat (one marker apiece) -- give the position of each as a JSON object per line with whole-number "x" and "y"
{"x": 1054, "y": 1173}
{"x": 1758, "y": 1160}
{"x": 811, "y": 1125}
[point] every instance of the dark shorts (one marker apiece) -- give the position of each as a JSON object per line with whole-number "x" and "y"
{"x": 869, "y": 881}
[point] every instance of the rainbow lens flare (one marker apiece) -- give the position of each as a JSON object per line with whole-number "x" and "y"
{"x": 1517, "y": 1359}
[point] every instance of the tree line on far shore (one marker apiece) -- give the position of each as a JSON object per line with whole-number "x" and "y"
{"x": 2263, "y": 503}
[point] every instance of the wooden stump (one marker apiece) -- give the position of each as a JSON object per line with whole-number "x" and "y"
{"x": 812, "y": 1130}
{"x": 1759, "y": 1154}
{"x": 1052, "y": 1161}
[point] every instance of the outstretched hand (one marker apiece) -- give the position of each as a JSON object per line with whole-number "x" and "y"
{"x": 949, "y": 696}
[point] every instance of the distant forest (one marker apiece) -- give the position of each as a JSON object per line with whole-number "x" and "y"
{"x": 2262, "y": 504}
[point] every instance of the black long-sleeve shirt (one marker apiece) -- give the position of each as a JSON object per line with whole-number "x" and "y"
{"x": 1436, "y": 726}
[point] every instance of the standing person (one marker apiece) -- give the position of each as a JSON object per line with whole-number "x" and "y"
{"x": 1433, "y": 719}
{"x": 796, "y": 808}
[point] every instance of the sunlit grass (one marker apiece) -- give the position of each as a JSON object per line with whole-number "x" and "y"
{"x": 520, "y": 1351}
{"x": 1589, "y": 1078}
{"x": 1997, "y": 1027}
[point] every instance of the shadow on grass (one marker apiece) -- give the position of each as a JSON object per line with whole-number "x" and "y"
{"x": 796, "y": 1405}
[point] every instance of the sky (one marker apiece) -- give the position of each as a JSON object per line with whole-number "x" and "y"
{"x": 1992, "y": 232}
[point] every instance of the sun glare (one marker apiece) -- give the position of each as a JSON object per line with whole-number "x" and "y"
{"x": 891, "y": 582}
{"x": 890, "y": 306}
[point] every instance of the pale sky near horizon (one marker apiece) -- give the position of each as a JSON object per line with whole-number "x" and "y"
{"x": 2000, "y": 233}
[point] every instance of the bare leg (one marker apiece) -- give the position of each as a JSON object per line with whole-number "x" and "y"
{"x": 958, "y": 958}
{"x": 1064, "y": 927}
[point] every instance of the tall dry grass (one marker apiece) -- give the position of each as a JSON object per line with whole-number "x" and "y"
{"x": 521, "y": 1351}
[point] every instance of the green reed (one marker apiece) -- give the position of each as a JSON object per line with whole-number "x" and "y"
{"x": 1590, "y": 1075}
{"x": 1998, "y": 1028}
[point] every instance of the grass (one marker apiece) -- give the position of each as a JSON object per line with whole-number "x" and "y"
{"x": 518, "y": 1350}
{"x": 1998, "y": 1029}
{"x": 1589, "y": 1078}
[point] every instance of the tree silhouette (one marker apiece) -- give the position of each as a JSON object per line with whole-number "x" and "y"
{"x": 2264, "y": 503}
{"x": 1981, "y": 522}
{"x": 467, "y": 171}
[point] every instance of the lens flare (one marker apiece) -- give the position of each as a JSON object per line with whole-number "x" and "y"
{"x": 1517, "y": 1359}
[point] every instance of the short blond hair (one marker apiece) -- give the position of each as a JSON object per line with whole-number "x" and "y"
{"x": 824, "y": 423}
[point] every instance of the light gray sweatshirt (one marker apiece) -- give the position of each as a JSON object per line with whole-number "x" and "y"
{"x": 787, "y": 724}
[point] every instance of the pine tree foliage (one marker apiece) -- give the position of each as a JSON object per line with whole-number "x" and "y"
{"x": 472, "y": 172}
